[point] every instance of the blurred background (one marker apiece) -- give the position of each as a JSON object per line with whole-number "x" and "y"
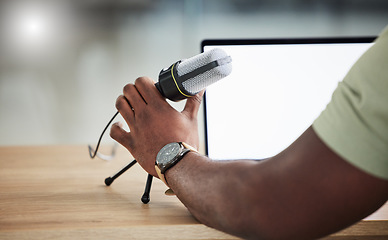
{"x": 64, "y": 62}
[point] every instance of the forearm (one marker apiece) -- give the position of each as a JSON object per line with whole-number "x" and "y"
{"x": 216, "y": 192}
{"x": 307, "y": 191}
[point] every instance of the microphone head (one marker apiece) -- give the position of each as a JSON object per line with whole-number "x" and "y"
{"x": 186, "y": 78}
{"x": 202, "y": 80}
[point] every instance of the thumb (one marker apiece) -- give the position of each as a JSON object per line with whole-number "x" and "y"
{"x": 192, "y": 105}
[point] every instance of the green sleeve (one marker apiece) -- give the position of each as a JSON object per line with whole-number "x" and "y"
{"x": 355, "y": 122}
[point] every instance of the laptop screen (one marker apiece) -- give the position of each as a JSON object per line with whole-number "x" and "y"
{"x": 276, "y": 90}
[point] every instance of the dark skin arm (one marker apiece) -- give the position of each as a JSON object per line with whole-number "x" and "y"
{"x": 306, "y": 191}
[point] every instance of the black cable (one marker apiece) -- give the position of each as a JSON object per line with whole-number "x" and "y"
{"x": 99, "y": 140}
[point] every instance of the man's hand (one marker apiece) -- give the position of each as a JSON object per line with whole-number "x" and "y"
{"x": 153, "y": 122}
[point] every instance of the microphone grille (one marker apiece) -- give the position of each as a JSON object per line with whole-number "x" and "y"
{"x": 201, "y": 81}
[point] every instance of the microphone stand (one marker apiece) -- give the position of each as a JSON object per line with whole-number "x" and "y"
{"x": 146, "y": 195}
{"x": 109, "y": 180}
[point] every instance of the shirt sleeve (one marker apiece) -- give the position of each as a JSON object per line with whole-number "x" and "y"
{"x": 355, "y": 122}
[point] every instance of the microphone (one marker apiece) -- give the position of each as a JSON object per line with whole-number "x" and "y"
{"x": 186, "y": 78}
{"x": 181, "y": 80}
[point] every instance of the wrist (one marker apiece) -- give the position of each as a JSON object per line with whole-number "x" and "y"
{"x": 170, "y": 155}
{"x": 172, "y": 174}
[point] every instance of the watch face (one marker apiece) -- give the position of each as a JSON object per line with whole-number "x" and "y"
{"x": 167, "y": 153}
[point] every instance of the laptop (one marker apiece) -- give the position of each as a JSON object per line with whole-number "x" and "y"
{"x": 277, "y": 88}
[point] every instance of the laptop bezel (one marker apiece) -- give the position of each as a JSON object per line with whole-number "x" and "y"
{"x": 274, "y": 41}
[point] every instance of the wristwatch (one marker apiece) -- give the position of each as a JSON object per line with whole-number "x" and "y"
{"x": 170, "y": 155}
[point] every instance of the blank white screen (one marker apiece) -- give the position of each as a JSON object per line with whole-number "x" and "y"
{"x": 273, "y": 94}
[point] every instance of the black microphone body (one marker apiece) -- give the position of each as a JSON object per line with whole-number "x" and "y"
{"x": 186, "y": 78}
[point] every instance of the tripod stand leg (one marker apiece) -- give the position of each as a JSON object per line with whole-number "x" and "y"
{"x": 146, "y": 196}
{"x": 109, "y": 180}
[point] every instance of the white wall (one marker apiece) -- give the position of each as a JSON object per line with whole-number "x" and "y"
{"x": 61, "y": 88}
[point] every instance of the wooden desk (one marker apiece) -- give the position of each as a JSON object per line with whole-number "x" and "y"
{"x": 58, "y": 192}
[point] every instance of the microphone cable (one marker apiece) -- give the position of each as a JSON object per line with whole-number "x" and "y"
{"x": 93, "y": 152}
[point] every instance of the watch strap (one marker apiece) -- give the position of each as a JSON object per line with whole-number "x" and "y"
{"x": 189, "y": 147}
{"x": 160, "y": 175}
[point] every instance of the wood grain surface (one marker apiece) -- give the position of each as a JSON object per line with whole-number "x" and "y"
{"x": 58, "y": 192}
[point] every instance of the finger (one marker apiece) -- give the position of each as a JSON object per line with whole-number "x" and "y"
{"x": 134, "y": 97}
{"x": 125, "y": 109}
{"x": 146, "y": 87}
{"x": 193, "y": 104}
{"x": 120, "y": 135}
